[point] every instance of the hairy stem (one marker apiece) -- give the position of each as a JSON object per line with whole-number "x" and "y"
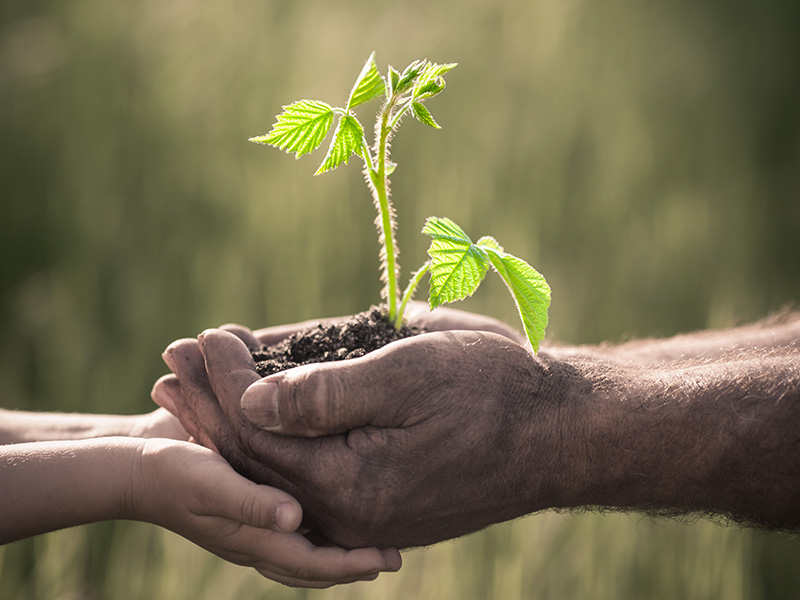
{"x": 409, "y": 292}
{"x": 380, "y": 185}
{"x": 399, "y": 115}
{"x": 367, "y": 157}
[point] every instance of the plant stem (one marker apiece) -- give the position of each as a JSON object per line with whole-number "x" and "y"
{"x": 380, "y": 184}
{"x": 399, "y": 115}
{"x": 409, "y": 293}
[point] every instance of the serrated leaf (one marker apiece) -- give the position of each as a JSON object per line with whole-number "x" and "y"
{"x": 300, "y": 128}
{"x": 433, "y": 70}
{"x": 394, "y": 79}
{"x": 488, "y": 241}
{"x": 409, "y": 76}
{"x": 529, "y": 289}
{"x": 429, "y": 89}
{"x": 423, "y": 115}
{"x": 368, "y": 86}
{"x": 431, "y": 81}
{"x": 347, "y": 140}
{"x": 457, "y": 265}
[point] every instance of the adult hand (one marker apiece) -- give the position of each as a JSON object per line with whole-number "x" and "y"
{"x": 167, "y": 390}
{"x": 195, "y": 493}
{"x": 434, "y": 432}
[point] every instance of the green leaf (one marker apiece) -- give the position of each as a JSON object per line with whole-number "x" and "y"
{"x": 394, "y": 79}
{"x": 300, "y": 128}
{"x": 457, "y": 265}
{"x": 529, "y": 289}
{"x": 409, "y": 76}
{"x": 429, "y": 89}
{"x": 431, "y": 81}
{"x": 347, "y": 141}
{"x": 488, "y": 241}
{"x": 433, "y": 70}
{"x": 368, "y": 86}
{"x": 423, "y": 115}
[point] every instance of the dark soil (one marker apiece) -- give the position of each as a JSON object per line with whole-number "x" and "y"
{"x": 355, "y": 337}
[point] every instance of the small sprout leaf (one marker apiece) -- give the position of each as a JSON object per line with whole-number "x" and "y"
{"x": 457, "y": 265}
{"x": 346, "y": 141}
{"x": 394, "y": 79}
{"x": 429, "y": 89}
{"x": 409, "y": 76}
{"x": 530, "y": 291}
{"x": 431, "y": 81}
{"x": 423, "y": 115}
{"x": 368, "y": 86}
{"x": 300, "y": 128}
{"x": 488, "y": 241}
{"x": 433, "y": 70}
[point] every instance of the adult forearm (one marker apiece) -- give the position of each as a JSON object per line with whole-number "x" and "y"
{"x": 778, "y": 331}
{"x": 52, "y": 485}
{"x": 719, "y": 437}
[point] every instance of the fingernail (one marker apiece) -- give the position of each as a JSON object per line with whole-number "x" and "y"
{"x": 260, "y": 404}
{"x": 286, "y": 517}
{"x": 393, "y": 559}
{"x": 168, "y": 359}
{"x": 201, "y": 339}
{"x": 166, "y": 392}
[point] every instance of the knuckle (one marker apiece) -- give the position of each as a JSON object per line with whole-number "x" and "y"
{"x": 314, "y": 401}
{"x": 252, "y": 511}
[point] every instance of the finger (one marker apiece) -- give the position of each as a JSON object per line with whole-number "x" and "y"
{"x": 209, "y": 423}
{"x": 165, "y": 391}
{"x": 451, "y": 319}
{"x": 244, "y": 334}
{"x": 314, "y": 566}
{"x": 330, "y": 398}
{"x": 193, "y": 428}
{"x": 258, "y": 506}
{"x": 195, "y": 405}
{"x": 280, "y": 576}
{"x": 230, "y": 370}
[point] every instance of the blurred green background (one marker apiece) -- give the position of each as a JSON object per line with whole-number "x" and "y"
{"x": 644, "y": 156}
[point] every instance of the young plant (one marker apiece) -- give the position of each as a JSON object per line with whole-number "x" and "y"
{"x": 456, "y": 265}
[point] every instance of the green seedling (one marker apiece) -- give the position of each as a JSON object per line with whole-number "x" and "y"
{"x": 456, "y": 265}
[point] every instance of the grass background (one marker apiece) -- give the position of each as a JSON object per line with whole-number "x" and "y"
{"x": 644, "y": 156}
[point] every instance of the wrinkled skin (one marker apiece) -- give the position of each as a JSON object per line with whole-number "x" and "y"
{"x": 442, "y": 434}
{"x": 387, "y": 478}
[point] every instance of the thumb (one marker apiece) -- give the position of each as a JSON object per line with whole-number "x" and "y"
{"x": 318, "y": 399}
{"x": 260, "y": 506}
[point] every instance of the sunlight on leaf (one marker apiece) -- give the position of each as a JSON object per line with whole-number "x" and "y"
{"x": 409, "y": 76}
{"x": 457, "y": 265}
{"x": 368, "y": 86}
{"x": 430, "y": 80}
{"x": 346, "y": 142}
{"x": 530, "y": 291}
{"x": 300, "y": 128}
{"x": 423, "y": 115}
{"x": 488, "y": 241}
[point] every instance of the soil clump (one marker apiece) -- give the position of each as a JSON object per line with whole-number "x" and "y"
{"x": 348, "y": 339}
